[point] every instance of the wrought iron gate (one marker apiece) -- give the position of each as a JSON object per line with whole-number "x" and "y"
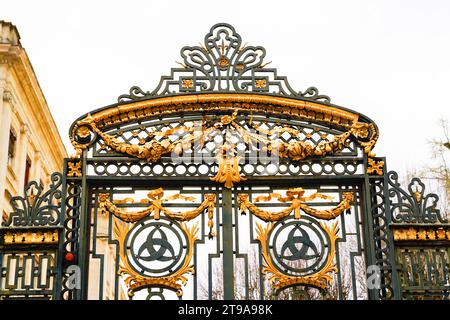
{"x": 224, "y": 183}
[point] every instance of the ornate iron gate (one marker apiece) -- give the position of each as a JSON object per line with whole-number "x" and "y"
{"x": 224, "y": 183}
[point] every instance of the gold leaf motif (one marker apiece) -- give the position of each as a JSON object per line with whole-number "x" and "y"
{"x": 228, "y": 171}
{"x": 83, "y": 132}
{"x": 440, "y": 234}
{"x": 260, "y": 83}
{"x": 187, "y": 83}
{"x": 74, "y": 169}
{"x": 375, "y": 167}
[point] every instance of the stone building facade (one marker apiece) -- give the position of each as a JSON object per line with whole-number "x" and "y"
{"x": 30, "y": 145}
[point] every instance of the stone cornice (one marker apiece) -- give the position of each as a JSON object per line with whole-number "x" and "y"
{"x": 9, "y": 34}
{"x": 20, "y": 65}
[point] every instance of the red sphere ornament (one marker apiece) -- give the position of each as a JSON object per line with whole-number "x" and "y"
{"x": 69, "y": 257}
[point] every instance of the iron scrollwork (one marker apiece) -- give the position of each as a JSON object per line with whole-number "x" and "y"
{"x": 37, "y": 208}
{"x": 223, "y": 64}
{"x": 413, "y": 206}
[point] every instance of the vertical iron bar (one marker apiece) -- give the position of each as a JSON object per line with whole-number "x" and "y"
{"x": 373, "y": 294}
{"x": 395, "y": 279}
{"x": 61, "y": 236}
{"x": 227, "y": 244}
{"x": 84, "y": 235}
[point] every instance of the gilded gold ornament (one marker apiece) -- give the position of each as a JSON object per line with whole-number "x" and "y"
{"x": 419, "y": 233}
{"x": 375, "y": 167}
{"x": 187, "y": 83}
{"x": 135, "y": 281}
{"x": 320, "y": 279}
{"x": 226, "y": 155}
{"x": 74, "y": 169}
{"x": 228, "y": 171}
{"x": 295, "y": 196}
{"x": 16, "y": 237}
{"x": 155, "y": 198}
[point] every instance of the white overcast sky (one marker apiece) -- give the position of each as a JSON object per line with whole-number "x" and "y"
{"x": 389, "y": 60}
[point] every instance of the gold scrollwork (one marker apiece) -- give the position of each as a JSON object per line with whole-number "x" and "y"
{"x": 295, "y": 196}
{"x": 156, "y": 207}
{"x": 320, "y": 279}
{"x": 135, "y": 281}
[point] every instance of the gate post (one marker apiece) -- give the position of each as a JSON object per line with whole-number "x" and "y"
{"x": 421, "y": 239}
{"x": 379, "y": 237}
{"x": 85, "y": 223}
{"x": 30, "y": 260}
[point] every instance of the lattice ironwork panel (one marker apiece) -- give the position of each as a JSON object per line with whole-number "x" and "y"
{"x": 176, "y": 128}
{"x": 140, "y": 238}
{"x": 115, "y": 242}
{"x": 425, "y": 272}
{"x": 300, "y": 251}
{"x": 207, "y": 168}
{"x": 27, "y": 275}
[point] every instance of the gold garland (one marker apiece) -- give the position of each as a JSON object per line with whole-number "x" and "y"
{"x": 156, "y": 207}
{"x": 279, "y": 280}
{"x": 228, "y": 166}
{"x": 295, "y": 196}
{"x": 135, "y": 281}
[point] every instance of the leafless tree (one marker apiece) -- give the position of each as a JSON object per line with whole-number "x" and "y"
{"x": 343, "y": 289}
{"x": 436, "y": 175}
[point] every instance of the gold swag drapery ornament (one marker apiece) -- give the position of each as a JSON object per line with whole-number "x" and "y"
{"x": 156, "y": 207}
{"x": 295, "y": 196}
{"x": 229, "y": 170}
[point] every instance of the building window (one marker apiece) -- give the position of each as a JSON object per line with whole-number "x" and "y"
{"x": 11, "y": 146}
{"x": 27, "y": 170}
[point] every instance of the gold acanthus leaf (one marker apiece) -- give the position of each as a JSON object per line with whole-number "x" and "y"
{"x": 228, "y": 171}
{"x": 297, "y": 204}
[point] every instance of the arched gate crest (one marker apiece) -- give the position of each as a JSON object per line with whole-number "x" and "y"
{"x": 224, "y": 182}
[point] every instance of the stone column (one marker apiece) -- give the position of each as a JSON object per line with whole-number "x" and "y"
{"x": 36, "y": 167}
{"x": 5, "y": 123}
{"x": 22, "y": 148}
